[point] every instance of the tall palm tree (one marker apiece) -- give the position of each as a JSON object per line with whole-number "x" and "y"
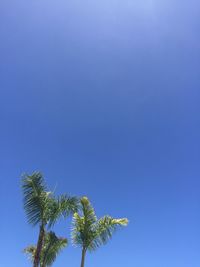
{"x": 43, "y": 208}
{"x": 88, "y": 232}
{"x": 51, "y": 248}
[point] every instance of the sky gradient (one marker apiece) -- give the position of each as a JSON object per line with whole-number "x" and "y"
{"x": 103, "y": 98}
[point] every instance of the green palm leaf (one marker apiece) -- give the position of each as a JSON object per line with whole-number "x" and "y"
{"x": 30, "y": 251}
{"x": 61, "y": 206}
{"x": 104, "y": 230}
{"x": 83, "y": 224}
{"x": 53, "y": 245}
{"x": 36, "y": 197}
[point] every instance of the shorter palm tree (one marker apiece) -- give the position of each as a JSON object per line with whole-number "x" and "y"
{"x": 51, "y": 248}
{"x": 88, "y": 232}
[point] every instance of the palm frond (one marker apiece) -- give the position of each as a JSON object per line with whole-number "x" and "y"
{"x": 77, "y": 233}
{"x": 30, "y": 251}
{"x": 90, "y": 233}
{"x": 61, "y": 206}
{"x": 52, "y": 247}
{"x": 104, "y": 230}
{"x": 82, "y": 225}
{"x": 35, "y": 197}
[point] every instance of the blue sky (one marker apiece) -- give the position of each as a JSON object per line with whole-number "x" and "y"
{"x": 103, "y": 98}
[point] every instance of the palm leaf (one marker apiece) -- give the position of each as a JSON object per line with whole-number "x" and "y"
{"x": 82, "y": 225}
{"x": 61, "y": 206}
{"x": 51, "y": 248}
{"x": 104, "y": 230}
{"x": 30, "y": 251}
{"x": 35, "y": 197}
{"x": 88, "y": 232}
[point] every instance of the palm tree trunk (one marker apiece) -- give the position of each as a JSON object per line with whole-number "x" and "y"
{"x": 83, "y": 257}
{"x": 39, "y": 247}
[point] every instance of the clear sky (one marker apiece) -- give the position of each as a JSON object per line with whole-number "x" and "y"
{"x": 103, "y": 97}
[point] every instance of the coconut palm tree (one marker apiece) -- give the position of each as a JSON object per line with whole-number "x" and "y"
{"x": 51, "y": 248}
{"x": 88, "y": 232}
{"x": 43, "y": 208}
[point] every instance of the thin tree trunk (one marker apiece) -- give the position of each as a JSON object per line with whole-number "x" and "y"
{"x": 39, "y": 247}
{"x": 83, "y": 257}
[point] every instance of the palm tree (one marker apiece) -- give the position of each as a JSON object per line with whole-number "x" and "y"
{"x": 88, "y": 232}
{"x": 51, "y": 248}
{"x": 43, "y": 208}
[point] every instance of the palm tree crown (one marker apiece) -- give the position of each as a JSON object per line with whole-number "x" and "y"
{"x": 41, "y": 206}
{"x": 88, "y": 232}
